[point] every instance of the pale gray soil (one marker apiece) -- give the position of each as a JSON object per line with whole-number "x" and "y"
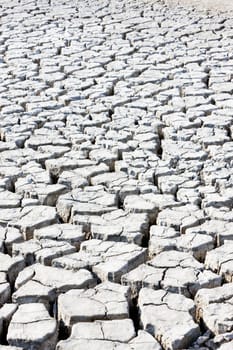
{"x": 116, "y": 175}
{"x": 214, "y": 5}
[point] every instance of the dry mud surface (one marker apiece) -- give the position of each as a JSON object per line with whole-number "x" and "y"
{"x": 209, "y": 5}
{"x": 116, "y": 151}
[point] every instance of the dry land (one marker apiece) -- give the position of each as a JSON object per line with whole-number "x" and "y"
{"x": 116, "y": 155}
{"x": 213, "y": 5}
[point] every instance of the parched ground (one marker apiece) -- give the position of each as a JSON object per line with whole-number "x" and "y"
{"x": 212, "y": 5}
{"x": 116, "y": 154}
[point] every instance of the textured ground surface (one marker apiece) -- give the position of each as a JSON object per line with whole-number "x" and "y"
{"x": 116, "y": 151}
{"x": 209, "y": 5}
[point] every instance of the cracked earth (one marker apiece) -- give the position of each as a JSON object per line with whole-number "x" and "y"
{"x": 116, "y": 154}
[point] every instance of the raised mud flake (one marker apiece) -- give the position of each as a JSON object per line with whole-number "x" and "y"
{"x": 211, "y": 136}
{"x": 9, "y": 171}
{"x": 164, "y": 238}
{"x": 102, "y": 203}
{"x": 105, "y": 156}
{"x": 161, "y": 239}
{"x": 57, "y": 166}
{"x": 218, "y": 200}
{"x": 10, "y": 235}
{"x": 182, "y": 273}
{"x": 215, "y": 171}
{"x": 49, "y": 194}
{"x": 189, "y": 195}
{"x": 34, "y": 292}
{"x": 120, "y": 225}
{"x": 20, "y": 157}
{"x": 197, "y": 244}
{"x": 43, "y": 251}
{"x": 114, "y": 330}
{"x": 106, "y": 301}
{"x": 6, "y": 216}
{"x": 34, "y": 183}
{"x": 32, "y": 327}
{"x": 168, "y": 316}
{"x": 115, "y": 265}
{"x": 9, "y": 200}
{"x": 223, "y": 152}
{"x": 143, "y": 276}
{"x": 136, "y": 169}
{"x": 219, "y": 230}
{"x": 44, "y": 283}
{"x": 32, "y": 218}
{"x": 108, "y": 260}
{"x": 11, "y": 266}
{"x": 91, "y": 201}
{"x": 181, "y": 218}
{"x": 105, "y": 334}
{"x": 169, "y": 181}
{"x": 54, "y": 151}
{"x": 222, "y": 87}
{"x": 147, "y": 140}
{"x": 215, "y": 307}
{"x": 161, "y": 201}
{"x": 137, "y": 204}
{"x": 220, "y": 260}
{"x": 77, "y": 177}
{"x": 187, "y": 150}
{"x": 72, "y": 234}
{"x": 5, "y": 183}
{"x": 129, "y": 187}
{"x": 223, "y": 213}
{"x": 71, "y": 180}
